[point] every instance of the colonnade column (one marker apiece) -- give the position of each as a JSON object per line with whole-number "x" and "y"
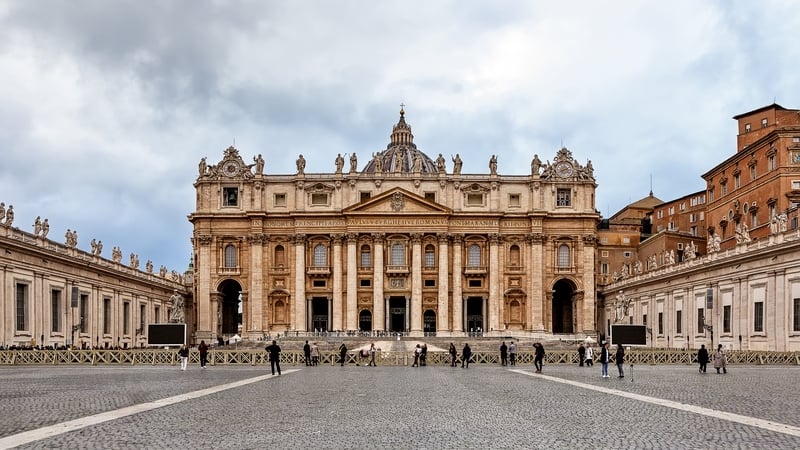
{"x": 352, "y": 282}
{"x": 298, "y": 318}
{"x": 588, "y": 298}
{"x": 416, "y": 283}
{"x": 205, "y": 311}
{"x": 255, "y": 324}
{"x": 337, "y": 283}
{"x": 536, "y": 296}
{"x": 458, "y": 301}
{"x": 494, "y": 282}
{"x": 379, "y": 314}
{"x": 442, "y": 322}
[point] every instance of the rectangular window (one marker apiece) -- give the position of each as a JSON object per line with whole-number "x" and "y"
{"x": 758, "y": 317}
{"x": 701, "y": 320}
{"x": 22, "y": 307}
{"x": 563, "y": 197}
{"x": 142, "y": 318}
{"x": 319, "y": 199}
{"x": 430, "y": 196}
{"x": 753, "y": 172}
{"x": 671, "y": 210}
{"x": 513, "y": 200}
{"x": 429, "y": 283}
{"x": 319, "y": 283}
{"x": 604, "y": 253}
{"x": 364, "y": 196}
{"x": 604, "y": 268}
{"x": 430, "y": 259}
{"x": 474, "y": 283}
{"x": 711, "y": 195}
{"x": 763, "y": 123}
{"x": 795, "y": 185}
{"x": 474, "y": 199}
{"x": 644, "y": 319}
{"x": 737, "y": 181}
{"x": 724, "y": 189}
{"x": 230, "y": 196}
{"x": 678, "y": 321}
{"x": 280, "y": 200}
{"x": 55, "y": 310}
{"x": 365, "y": 282}
{"x": 156, "y": 314}
{"x": 366, "y": 259}
{"x": 747, "y": 128}
{"x": 106, "y": 316}
{"x": 726, "y": 319}
{"x": 627, "y": 254}
{"x": 771, "y": 162}
{"x": 84, "y": 311}
{"x": 660, "y": 323}
{"x": 126, "y": 318}
{"x": 796, "y": 318}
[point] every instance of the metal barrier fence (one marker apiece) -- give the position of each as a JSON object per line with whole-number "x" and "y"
{"x": 260, "y": 357}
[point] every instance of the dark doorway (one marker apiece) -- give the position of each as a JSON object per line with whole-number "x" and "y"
{"x": 475, "y": 314}
{"x": 397, "y": 314}
{"x": 563, "y": 292}
{"x": 319, "y": 314}
{"x": 230, "y": 317}
{"x": 429, "y": 322}
{"x": 365, "y": 320}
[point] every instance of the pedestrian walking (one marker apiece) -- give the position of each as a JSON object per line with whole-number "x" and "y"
{"x": 589, "y": 355}
{"x": 604, "y": 356}
{"x": 466, "y": 354}
{"x": 203, "y": 349}
{"x": 417, "y": 352}
{"x": 538, "y": 358}
{"x": 720, "y": 360}
{"x": 581, "y": 355}
{"x": 453, "y": 354}
{"x": 620, "y": 360}
{"x": 372, "y": 351}
{"x": 314, "y": 354}
{"x": 307, "y": 353}
{"x": 512, "y": 353}
{"x": 342, "y": 353}
{"x": 423, "y": 355}
{"x": 274, "y": 357}
{"x": 702, "y": 358}
{"x": 503, "y": 354}
{"x": 183, "y": 353}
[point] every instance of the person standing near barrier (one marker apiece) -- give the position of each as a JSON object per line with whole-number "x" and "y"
{"x": 274, "y": 357}
{"x": 538, "y": 356}
{"x": 342, "y": 353}
{"x": 417, "y": 352}
{"x": 503, "y": 354}
{"x": 604, "y": 356}
{"x": 702, "y": 358}
{"x": 307, "y": 353}
{"x": 184, "y": 355}
{"x": 581, "y": 355}
{"x": 466, "y": 354}
{"x": 423, "y": 355}
{"x": 512, "y": 352}
{"x": 589, "y": 355}
{"x": 372, "y": 351}
{"x": 453, "y": 354}
{"x": 620, "y": 360}
{"x": 314, "y": 354}
{"x": 720, "y": 360}
{"x": 203, "y": 349}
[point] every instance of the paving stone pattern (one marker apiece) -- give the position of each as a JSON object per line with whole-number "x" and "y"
{"x": 359, "y": 407}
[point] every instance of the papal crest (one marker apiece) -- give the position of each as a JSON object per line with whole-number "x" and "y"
{"x": 398, "y": 202}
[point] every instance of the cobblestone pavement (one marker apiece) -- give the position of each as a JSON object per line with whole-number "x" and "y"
{"x": 398, "y": 407}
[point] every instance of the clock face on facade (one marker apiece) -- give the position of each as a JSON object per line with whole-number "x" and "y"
{"x": 230, "y": 168}
{"x": 564, "y": 169}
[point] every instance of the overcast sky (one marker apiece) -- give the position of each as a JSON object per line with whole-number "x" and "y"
{"x": 107, "y": 106}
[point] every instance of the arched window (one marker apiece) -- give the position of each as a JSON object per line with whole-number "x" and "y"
{"x": 430, "y": 256}
{"x": 563, "y": 255}
{"x": 230, "y": 256}
{"x": 513, "y": 255}
{"x": 398, "y": 254}
{"x": 280, "y": 256}
{"x": 366, "y": 256}
{"x": 474, "y": 256}
{"x": 320, "y": 256}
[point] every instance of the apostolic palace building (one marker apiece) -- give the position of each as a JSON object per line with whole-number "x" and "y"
{"x": 399, "y": 242}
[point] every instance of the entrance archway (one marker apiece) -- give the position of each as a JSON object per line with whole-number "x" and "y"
{"x": 563, "y": 306}
{"x": 229, "y": 315}
{"x": 365, "y": 320}
{"x": 397, "y": 314}
{"x": 319, "y": 314}
{"x": 474, "y": 314}
{"x": 429, "y": 322}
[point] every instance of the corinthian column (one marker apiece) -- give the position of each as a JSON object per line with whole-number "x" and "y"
{"x": 352, "y": 282}
{"x": 337, "y": 282}
{"x": 442, "y": 323}
{"x": 299, "y": 316}
{"x": 458, "y": 300}
{"x": 416, "y": 283}
{"x": 379, "y": 312}
{"x": 494, "y": 281}
{"x": 536, "y": 290}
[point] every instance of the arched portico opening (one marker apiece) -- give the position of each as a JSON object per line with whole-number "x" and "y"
{"x": 365, "y": 320}
{"x": 230, "y": 316}
{"x": 429, "y": 322}
{"x": 563, "y": 307}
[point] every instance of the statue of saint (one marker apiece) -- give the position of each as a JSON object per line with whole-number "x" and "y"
{"x": 259, "y": 164}
{"x": 536, "y": 164}
{"x": 339, "y": 163}
{"x": 378, "y": 163}
{"x": 301, "y": 165}
{"x": 353, "y": 163}
{"x": 2, "y": 211}
{"x": 45, "y": 228}
{"x": 10, "y": 216}
{"x": 202, "y": 167}
{"x": 440, "y": 164}
{"x": 493, "y": 165}
{"x": 37, "y": 226}
{"x": 176, "y": 303}
{"x": 457, "y": 163}
{"x": 417, "y": 163}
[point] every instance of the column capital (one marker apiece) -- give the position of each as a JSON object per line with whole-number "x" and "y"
{"x": 416, "y": 238}
{"x": 536, "y": 238}
{"x": 458, "y": 238}
{"x": 352, "y": 238}
{"x": 299, "y": 239}
{"x": 378, "y": 238}
{"x": 204, "y": 239}
{"x": 495, "y": 238}
{"x": 257, "y": 238}
{"x": 337, "y": 238}
{"x": 443, "y": 238}
{"x": 590, "y": 240}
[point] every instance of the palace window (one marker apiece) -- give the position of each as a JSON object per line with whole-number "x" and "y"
{"x": 474, "y": 256}
{"x": 398, "y": 254}
{"x": 514, "y": 255}
{"x": 474, "y": 199}
{"x": 55, "y": 310}
{"x": 230, "y": 196}
{"x": 279, "y": 200}
{"x": 513, "y": 200}
{"x": 701, "y": 320}
{"x": 157, "y": 315}
{"x": 106, "y": 316}
{"x": 796, "y": 318}
{"x": 320, "y": 256}
{"x": 660, "y": 322}
{"x": 84, "y": 310}
{"x": 364, "y": 196}
{"x": 280, "y": 256}
{"x": 737, "y": 183}
{"x": 758, "y": 317}
{"x": 430, "y": 256}
{"x": 366, "y": 256}
{"x": 753, "y": 172}
{"x": 726, "y": 319}
{"x": 563, "y": 256}
{"x": 627, "y": 254}
{"x": 604, "y": 268}
{"x": 230, "y": 256}
{"x": 126, "y": 318}
{"x": 771, "y": 162}
{"x": 22, "y": 307}
{"x": 319, "y": 199}
{"x": 430, "y": 196}
{"x": 764, "y": 123}
{"x": 747, "y": 128}
{"x": 142, "y": 318}
{"x": 563, "y": 197}
{"x": 678, "y": 322}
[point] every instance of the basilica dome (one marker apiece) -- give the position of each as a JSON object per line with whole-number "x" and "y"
{"x": 400, "y": 154}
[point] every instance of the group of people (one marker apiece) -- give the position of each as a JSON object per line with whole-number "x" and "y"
{"x": 311, "y": 354}
{"x": 362, "y": 354}
{"x": 466, "y": 355}
{"x": 720, "y": 360}
{"x": 508, "y": 353}
{"x": 586, "y": 357}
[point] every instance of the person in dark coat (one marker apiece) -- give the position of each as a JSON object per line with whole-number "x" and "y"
{"x": 538, "y": 356}
{"x": 581, "y": 355}
{"x": 342, "y": 354}
{"x": 203, "y": 349}
{"x": 307, "y": 353}
{"x": 503, "y": 354}
{"x": 453, "y": 355}
{"x": 274, "y": 356}
{"x": 620, "y": 358}
{"x": 466, "y": 354}
{"x": 702, "y": 358}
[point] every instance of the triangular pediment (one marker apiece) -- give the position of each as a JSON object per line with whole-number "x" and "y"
{"x": 397, "y": 201}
